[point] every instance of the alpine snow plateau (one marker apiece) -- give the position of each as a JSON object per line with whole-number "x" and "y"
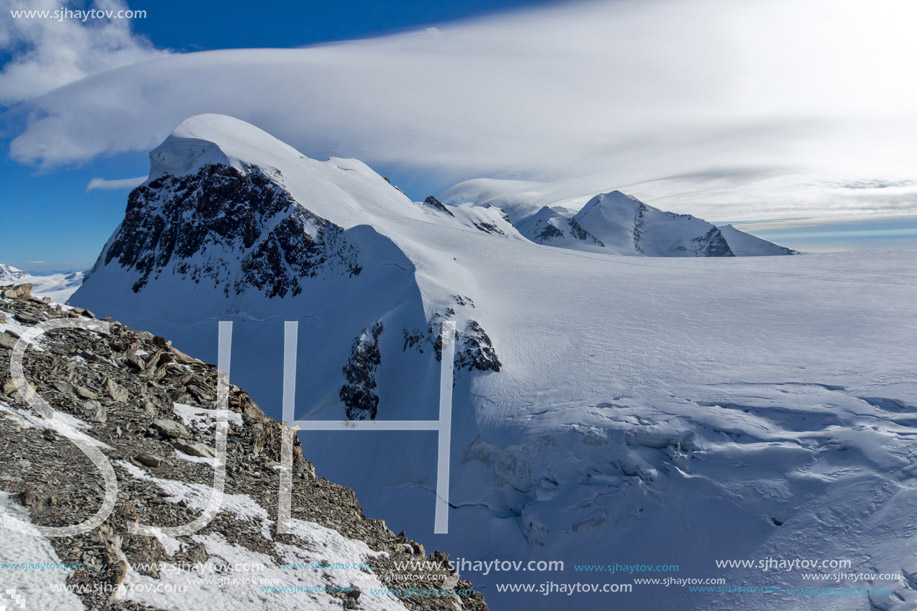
{"x": 628, "y": 387}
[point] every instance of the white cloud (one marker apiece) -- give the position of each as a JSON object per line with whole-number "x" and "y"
{"x": 114, "y": 185}
{"x": 54, "y": 51}
{"x": 729, "y": 110}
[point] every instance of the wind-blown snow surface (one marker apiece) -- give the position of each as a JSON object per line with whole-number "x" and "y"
{"x": 57, "y": 287}
{"x": 645, "y": 410}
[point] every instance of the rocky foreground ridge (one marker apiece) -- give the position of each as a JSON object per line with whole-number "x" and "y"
{"x": 149, "y": 407}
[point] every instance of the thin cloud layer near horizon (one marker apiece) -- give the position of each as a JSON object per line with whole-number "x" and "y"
{"x": 730, "y": 111}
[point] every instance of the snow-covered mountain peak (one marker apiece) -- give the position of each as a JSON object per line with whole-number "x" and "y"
{"x": 209, "y": 139}
{"x": 9, "y": 274}
{"x": 612, "y": 199}
{"x": 235, "y": 223}
{"x": 613, "y": 206}
{"x": 343, "y": 191}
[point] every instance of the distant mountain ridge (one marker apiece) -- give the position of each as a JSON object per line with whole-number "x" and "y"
{"x": 616, "y": 223}
{"x": 57, "y": 287}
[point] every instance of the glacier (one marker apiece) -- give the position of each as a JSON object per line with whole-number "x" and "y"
{"x": 607, "y": 408}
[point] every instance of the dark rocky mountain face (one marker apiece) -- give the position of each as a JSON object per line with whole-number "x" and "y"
{"x": 474, "y": 350}
{"x": 581, "y": 234}
{"x": 198, "y": 225}
{"x": 358, "y": 393}
{"x": 434, "y": 203}
{"x": 713, "y": 244}
{"x": 124, "y": 385}
{"x": 238, "y": 231}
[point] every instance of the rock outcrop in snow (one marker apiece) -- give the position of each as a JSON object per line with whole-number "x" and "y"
{"x": 358, "y": 394}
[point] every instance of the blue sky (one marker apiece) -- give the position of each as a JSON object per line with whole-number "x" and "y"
{"x": 687, "y": 105}
{"x": 201, "y": 26}
{"x": 50, "y": 220}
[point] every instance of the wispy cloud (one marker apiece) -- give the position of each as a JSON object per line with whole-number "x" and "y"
{"x": 48, "y": 53}
{"x": 115, "y": 185}
{"x": 729, "y": 110}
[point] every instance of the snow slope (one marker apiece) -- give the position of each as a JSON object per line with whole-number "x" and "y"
{"x": 57, "y": 287}
{"x": 30, "y": 569}
{"x": 606, "y": 408}
{"x": 746, "y": 245}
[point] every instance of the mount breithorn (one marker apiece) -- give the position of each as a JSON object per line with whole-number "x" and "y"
{"x": 640, "y": 409}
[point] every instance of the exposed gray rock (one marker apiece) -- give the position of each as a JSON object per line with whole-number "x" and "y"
{"x": 432, "y": 202}
{"x": 83, "y": 312}
{"x": 18, "y": 291}
{"x": 170, "y": 428}
{"x": 59, "y": 486}
{"x": 7, "y": 341}
{"x": 85, "y": 393}
{"x": 95, "y": 411}
{"x": 474, "y": 350}
{"x": 194, "y": 448}
{"x": 116, "y": 392}
{"x": 149, "y": 460}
